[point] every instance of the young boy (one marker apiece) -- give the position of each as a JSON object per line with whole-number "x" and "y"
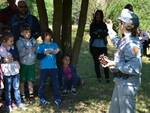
{"x": 47, "y": 55}
{"x": 26, "y": 46}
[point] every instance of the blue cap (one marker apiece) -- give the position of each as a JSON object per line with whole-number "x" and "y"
{"x": 129, "y": 17}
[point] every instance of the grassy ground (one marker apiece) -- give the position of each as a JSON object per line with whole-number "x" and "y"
{"x": 93, "y": 97}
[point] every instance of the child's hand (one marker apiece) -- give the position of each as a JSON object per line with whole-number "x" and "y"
{"x": 47, "y": 52}
{"x": 8, "y": 59}
{"x": 55, "y": 51}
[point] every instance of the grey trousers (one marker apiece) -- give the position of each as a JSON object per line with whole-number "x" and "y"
{"x": 123, "y": 99}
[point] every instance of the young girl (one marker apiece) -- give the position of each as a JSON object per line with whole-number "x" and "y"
{"x": 26, "y": 46}
{"x": 68, "y": 76}
{"x": 1, "y": 85}
{"x": 46, "y": 53}
{"x": 10, "y": 68}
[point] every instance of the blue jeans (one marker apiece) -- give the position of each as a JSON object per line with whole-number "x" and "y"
{"x": 68, "y": 84}
{"x": 12, "y": 82}
{"x": 53, "y": 73}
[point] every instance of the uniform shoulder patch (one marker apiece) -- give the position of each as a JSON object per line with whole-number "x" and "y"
{"x": 135, "y": 50}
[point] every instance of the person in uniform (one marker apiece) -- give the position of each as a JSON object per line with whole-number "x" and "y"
{"x": 126, "y": 65}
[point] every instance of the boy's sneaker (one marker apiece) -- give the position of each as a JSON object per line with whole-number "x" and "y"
{"x": 31, "y": 99}
{"x": 64, "y": 92}
{"x": 43, "y": 102}
{"x": 73, "y": 91}
{"x": 23, "y": 99}
{"x": 9, "y": 109}
{"x": 13, "y": 105}
{"x": 58, "y": 103}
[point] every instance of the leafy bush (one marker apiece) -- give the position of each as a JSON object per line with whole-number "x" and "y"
{"x": 140, "y": 8}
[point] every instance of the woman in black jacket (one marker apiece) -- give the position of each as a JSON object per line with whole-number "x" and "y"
{"x": 98, "y": 42}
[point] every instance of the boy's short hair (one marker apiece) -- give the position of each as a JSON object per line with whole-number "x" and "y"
{"x": 46, "y": 33}
{"x": 25, "y": 27}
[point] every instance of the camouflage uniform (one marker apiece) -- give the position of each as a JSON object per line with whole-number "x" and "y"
{"x": 127, "y": 73}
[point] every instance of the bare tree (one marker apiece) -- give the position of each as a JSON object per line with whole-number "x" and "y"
{"x": 66, "y": 26}
{"x": 42, "y": 14}
{"x": 57, "y": 20}
{"x": 80, "y": 31}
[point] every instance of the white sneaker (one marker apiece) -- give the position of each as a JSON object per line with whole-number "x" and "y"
{"x": 73, "y": 91}
{"x": 22, "y": 106}
{"x": 9, "y": 109}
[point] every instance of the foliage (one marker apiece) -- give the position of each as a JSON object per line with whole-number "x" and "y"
{"x": 49, "y": 7}
{"x": 3, "y": 4}
{"x": 140, "y": 8}
{"x": 33, "y": 7}
{"x": 93, "y": 6}
{"x": 75, "y": 11}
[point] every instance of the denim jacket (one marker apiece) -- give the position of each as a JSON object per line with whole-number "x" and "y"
{"x": 27, "y": 56}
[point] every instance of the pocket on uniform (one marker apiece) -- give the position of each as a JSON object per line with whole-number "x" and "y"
{"x": 130, "y": 90}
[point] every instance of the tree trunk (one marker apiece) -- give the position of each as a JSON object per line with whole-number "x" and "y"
{"x": 66, "y": 26}
{"x": 57, "y": 20}
{"x": 42, "y": 14}
{"x": 80, "y": 31}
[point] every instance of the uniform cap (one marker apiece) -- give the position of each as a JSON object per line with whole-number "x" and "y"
{"x": 129, "y": 17}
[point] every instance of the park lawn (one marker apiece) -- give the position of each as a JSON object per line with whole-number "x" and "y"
{"x": 93, "y": 97}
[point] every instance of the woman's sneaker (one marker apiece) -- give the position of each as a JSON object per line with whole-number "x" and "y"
{"x": 43, "y": 102}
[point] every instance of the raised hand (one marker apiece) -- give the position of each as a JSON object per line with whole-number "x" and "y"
{"x": 109, "y": 24}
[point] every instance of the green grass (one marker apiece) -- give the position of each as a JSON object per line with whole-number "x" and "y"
{"x": 93, "y": 97}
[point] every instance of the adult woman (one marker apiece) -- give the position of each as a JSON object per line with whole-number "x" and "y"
{"x": 98, "y": 42}
{"x": 126, "y": 64}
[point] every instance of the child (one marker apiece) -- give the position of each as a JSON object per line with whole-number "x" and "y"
{"x": 1, "y": 85}
{"x": 68, "y": 76}
{"x": 10, "y": 68}
{"x": 26, "y": 46}
{"x": 1, "y": 80}
{"x": 46, "y": 53}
